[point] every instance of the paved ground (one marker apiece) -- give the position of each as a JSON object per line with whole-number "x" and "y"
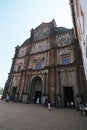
{"x": 16, "y": 116}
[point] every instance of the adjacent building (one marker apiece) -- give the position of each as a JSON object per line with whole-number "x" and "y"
{"x": 79, "y": 17}
{"x": 47, "y": 65}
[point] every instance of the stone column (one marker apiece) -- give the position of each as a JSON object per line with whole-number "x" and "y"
{"x": 59, "y": 95}
{"x": 10, "y": 85}
{"x": 45, "y": 83}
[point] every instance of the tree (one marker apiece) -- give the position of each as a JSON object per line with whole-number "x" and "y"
{"x": 1, "y": 91}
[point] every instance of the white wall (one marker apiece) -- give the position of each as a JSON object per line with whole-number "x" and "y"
{"x": 84, "y": 8}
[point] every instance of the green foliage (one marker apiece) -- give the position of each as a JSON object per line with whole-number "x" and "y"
{"x": 1, "y": 91}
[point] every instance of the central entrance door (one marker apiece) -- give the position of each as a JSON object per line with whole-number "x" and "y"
{"x": 36, "y": 90}
{"x": 68, "y": 96}
{"x": 37, "y": 97}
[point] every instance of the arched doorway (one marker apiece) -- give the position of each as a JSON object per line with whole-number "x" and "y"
{"x": 36, "y": 90}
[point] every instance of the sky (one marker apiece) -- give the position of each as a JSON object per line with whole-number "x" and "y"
{"x": 18, "y": 17}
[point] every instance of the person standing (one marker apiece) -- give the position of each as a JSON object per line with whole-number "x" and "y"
{"x": 72, "y": 104}
{"x": 49, "y": 104}
{"x": 7, "y": 97}
{"x": 37, "y": 100}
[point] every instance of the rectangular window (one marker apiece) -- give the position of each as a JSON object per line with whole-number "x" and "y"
{"x": 66, "y": 59}
{"x": 38, "y": 65}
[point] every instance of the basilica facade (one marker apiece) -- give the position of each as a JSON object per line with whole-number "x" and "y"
{"x": 47, "y": 65}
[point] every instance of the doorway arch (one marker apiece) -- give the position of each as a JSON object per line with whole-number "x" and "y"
{"x": 36, "y": 90}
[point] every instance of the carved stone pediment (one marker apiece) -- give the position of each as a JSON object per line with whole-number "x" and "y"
{"x": 39, "y": 58}
{"x": 22, "y": 52}
{"x": 40, "y": 46}
{"x": 63, "y": 39}
{"x": 42, "y": 31}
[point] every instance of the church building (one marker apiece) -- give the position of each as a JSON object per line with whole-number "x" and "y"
{"x": 47, "y": 65}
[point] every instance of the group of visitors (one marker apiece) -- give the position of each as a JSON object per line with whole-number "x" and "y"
{"x": 82, "y": 107}
{"x": 45, "y": 101}
{"x": 69, "y": 104}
